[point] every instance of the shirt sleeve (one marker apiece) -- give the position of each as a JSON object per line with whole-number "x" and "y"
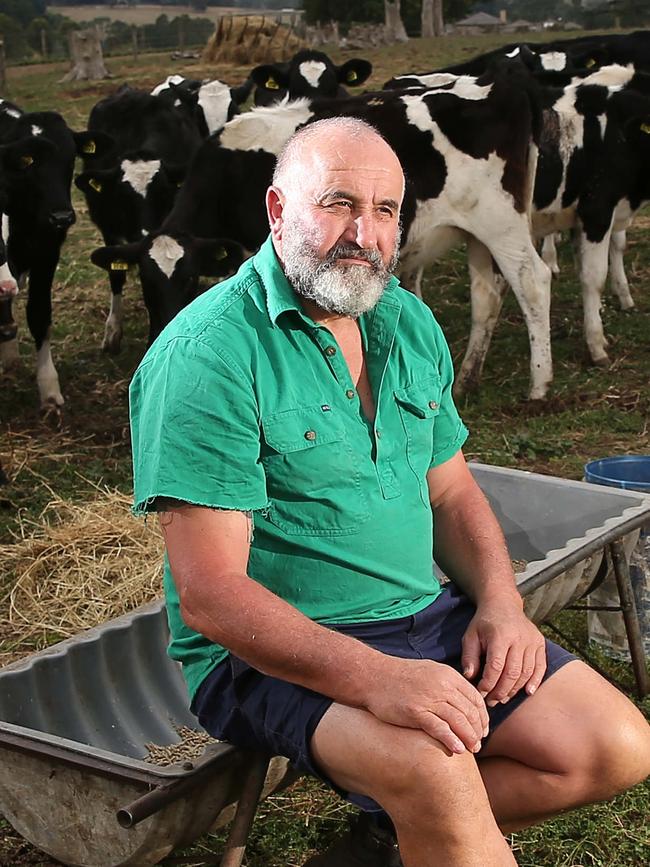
{"x": 195, "y": 430}
{"x": 449, "y": 432}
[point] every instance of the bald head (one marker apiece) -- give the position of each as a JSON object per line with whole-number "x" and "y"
{"x": 335, "y": 141}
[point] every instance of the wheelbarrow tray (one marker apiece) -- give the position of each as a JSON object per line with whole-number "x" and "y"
{"x": 76, "y": 719}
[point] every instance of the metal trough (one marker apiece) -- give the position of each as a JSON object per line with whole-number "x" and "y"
{"x": 75, "y": 719}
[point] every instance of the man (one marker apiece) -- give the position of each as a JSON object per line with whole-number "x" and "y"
{"x": 295, "y": 430}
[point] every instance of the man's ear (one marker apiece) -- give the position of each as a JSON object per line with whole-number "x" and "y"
{"x": 274, "y": 210}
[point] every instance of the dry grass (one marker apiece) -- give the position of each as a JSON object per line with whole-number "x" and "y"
{"x": 250, "y": 40}
{"x": 80, "y": 565}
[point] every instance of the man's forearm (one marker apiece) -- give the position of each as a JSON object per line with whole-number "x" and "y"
{"x": 470, "y": 548}
{"x": 274, "y": 637}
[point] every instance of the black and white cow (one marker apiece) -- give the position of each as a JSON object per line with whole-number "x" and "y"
{"x": 37, "y": 154}
{"x": 131, "y": 187}
{"x": 469, "y": 161}
{"x": 593, "y": 176}
{"x": 211, "y": 104}
{"x": 309, "y": 74}
{"x": 179, "y": 264}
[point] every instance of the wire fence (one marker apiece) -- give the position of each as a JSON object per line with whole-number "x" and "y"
{"x": 182, "y": 34}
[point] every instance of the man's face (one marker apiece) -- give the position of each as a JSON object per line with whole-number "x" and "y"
{"x": 339, "y": 230}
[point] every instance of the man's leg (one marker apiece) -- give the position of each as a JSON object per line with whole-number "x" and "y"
{"x": 576, "y": 741}
{"x": 438, "y": 803}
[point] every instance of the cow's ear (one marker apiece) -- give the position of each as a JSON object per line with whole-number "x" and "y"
{"x": 175, "y": 172}
{"x": 354, "y": 72}
{"x": 97, "y": 182}
{"x": 21, "y": 155}
{"x": 217, "y": 257}
{"x": 270, "y": 76}
{"x": 93, "y": 143}
{"x": 637, "y": 132}
{"x": 120, "y": 257}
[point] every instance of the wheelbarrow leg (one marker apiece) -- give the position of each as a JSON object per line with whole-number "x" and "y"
{"x": 245, "y": 813}
{"x": 630, "y": 617}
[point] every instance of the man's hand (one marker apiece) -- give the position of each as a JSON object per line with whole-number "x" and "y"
{"x": 422, "y": 694}
{"x": 512, "y": 647}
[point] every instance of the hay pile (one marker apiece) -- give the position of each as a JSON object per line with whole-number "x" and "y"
{"x": 85, "y": 563}
{"x": 251, "y": 39}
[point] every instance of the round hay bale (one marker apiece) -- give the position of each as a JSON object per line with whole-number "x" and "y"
{"x": 251, "y": 39}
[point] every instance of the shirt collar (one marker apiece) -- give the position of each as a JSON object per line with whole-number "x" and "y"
{"x": 280, "y": 295}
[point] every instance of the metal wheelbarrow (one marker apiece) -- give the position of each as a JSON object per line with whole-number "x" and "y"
{"x": 77, "y": 720}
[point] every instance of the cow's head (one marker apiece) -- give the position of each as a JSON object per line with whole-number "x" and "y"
{"x": 307, "y": 74}
{"x": 37, "y": 168}
{"x": 134, "y": 196}
{"x": 170, "y": 268}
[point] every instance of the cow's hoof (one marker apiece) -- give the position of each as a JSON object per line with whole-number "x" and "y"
{"x": 9, "y": 355}
{"x": 112, "y": 344}
{"x": 603, "y": 362}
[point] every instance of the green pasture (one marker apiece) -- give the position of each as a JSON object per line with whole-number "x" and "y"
{"x": 590, "y": 413}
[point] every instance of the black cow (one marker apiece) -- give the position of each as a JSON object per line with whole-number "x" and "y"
{"x": 308, "y": 74}
{"x": 210, "y": 104}
{"x": 131, "y": 188}
{"x": 37, "y": 154}
{"x": 469, "y": 161}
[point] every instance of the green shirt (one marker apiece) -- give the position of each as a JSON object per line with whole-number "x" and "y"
{"x": 244, "y": 402}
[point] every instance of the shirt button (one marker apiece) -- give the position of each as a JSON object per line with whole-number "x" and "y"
{"x": 331, "y": 350}
{"x": 433, "y": 404}
{"x": 310, "y": 434}
{"x": 350, "y": 393}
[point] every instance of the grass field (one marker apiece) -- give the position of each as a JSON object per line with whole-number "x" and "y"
{"x": 590, "y": 413}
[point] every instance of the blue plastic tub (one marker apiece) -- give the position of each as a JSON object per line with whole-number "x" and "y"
{"x": 607, "y": 629}
{"x": 631, "y": 472}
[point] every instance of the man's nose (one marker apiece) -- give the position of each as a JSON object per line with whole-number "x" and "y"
{"x": 364, "y": 231}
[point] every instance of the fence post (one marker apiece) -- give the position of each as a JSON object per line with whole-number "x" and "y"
{"x": 134, "y": 42}
{"x": 181, "y": 34}
{"x": 43, "y": 43}
{"x": 3, "y": 66}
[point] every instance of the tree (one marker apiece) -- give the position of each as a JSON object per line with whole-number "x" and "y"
{"x": 393, "y": 22}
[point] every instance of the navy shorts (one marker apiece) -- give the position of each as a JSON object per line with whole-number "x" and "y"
{"x": 237, "y": 703}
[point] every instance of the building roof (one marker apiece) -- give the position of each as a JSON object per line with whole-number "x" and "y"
{"x": 479, "y": 19}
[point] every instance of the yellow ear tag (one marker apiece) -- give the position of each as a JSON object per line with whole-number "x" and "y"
{"x": 591, "y": 62}
{"x": 90, "y": 147}
{"x": 272, "y": 84}
{"x": 118, "y": 265}
{"x": 221, "y": 253}
{"x": 645, "y": 127}
{"x": 26, "y": 161}
{"x": 351, "y": 76}
{"x": 97, "y": 187}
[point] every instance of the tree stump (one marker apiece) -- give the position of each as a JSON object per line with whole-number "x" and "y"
{"x": 393, "y": 24}
{"x": 87, "y": 56}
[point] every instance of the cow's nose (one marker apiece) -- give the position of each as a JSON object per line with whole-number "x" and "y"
{"x": 62, "y": 219}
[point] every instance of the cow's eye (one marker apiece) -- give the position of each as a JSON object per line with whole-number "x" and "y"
{"x": 26, "y": 160}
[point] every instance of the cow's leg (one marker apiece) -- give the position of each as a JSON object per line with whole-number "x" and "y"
{"x": 593, "y": 274}
{"x": 114, "y": 321}
{"x": 8, "y": 331}
{"x": 39, "y": 319}
{"x": 411, "y": 278}
{"x": 530, "y": 279}
{"x": 618, "y": 277}
{"x": 487, "y": 293}
{"x": 549, "y": 251}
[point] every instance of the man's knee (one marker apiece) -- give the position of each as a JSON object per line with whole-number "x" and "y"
{"x": 620, "y": 757}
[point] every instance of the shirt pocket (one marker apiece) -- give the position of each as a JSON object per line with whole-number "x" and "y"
{"x": 312, "y": 478}
{"x": 419, "y": 405}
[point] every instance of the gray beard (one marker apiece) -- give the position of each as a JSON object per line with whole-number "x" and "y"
{"x": 348, "y": 290}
